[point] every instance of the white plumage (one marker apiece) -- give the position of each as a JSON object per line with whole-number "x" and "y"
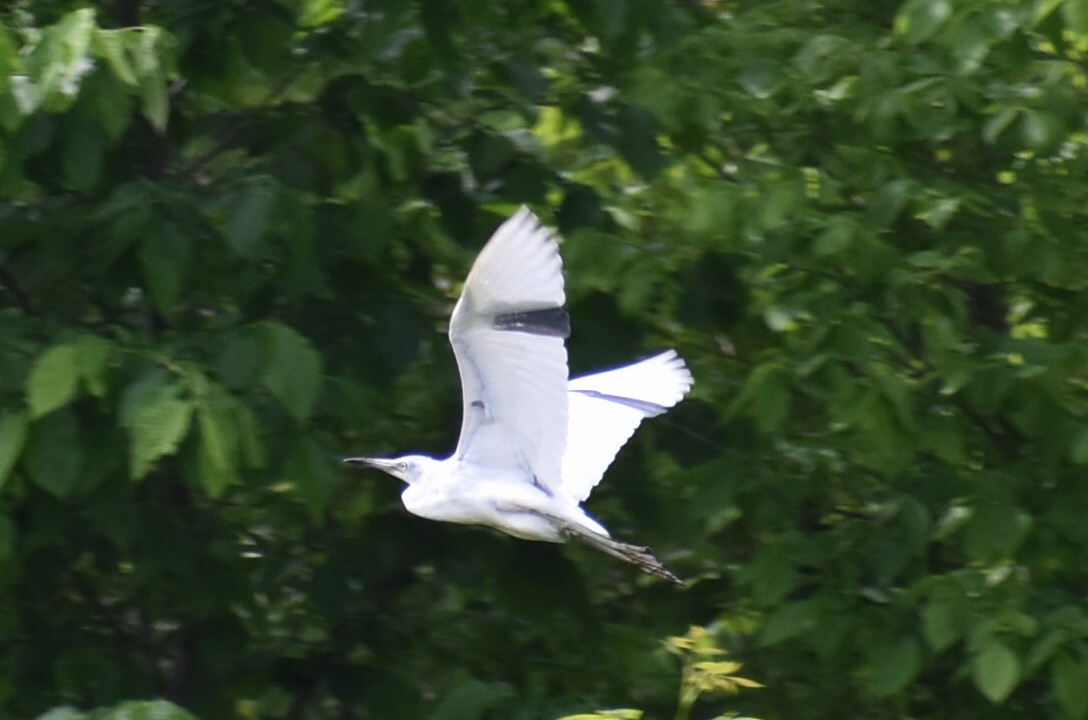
{"x": 533, "y": 445}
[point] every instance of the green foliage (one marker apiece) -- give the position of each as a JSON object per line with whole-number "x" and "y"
{"x": 230, "y": 238}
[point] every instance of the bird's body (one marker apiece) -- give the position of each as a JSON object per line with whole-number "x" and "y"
{"x": 533, "y": 443}
{"x": 506, "y": 501}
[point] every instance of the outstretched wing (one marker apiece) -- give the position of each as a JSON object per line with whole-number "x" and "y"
{"x": 507, "y": 332}
{"x": 606, "y": 407}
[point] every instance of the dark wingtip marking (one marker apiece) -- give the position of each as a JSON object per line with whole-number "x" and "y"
{"x": 552, "y": 322}
{"x": 645, "y": 407}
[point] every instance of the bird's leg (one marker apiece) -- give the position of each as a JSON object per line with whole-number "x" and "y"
{"x": 634, "y": 554}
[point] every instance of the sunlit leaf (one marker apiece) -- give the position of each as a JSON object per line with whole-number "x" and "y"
{"x": 156, "y": 418}
{"x": 53, "y": 380}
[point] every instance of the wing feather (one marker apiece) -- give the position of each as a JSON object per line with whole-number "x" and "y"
{"x": 507, "y": 332}
{"x": 605, "y": 409}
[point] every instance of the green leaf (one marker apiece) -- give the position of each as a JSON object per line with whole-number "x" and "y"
{"x": 217, "y": 452}
{"x": 164, "y": 257}
{"x": 109, "y": 45}
{"x": 996, "y": 671}
{"x": 291, "y": 369}
{"x": 144, "y": 710}
{"x": 893, "y": 665}
{"x": 13, "y": 431}
{"x": 62, "y": 712}
{"x": 1079, "y": 451}
{"x": 319, "y": 12}
{"x": 943, "y": 620}
{"x": 92, "y": 356}
{"x": 249, "y": 217}
{"x": 995, "y": 531}
{"x": 918, "y": 20}
{"x": 53, "y": 380}
{"x": 788, "y": 621}
{"x": 7, "y": 538}
{"x": 249, "y": 438}
{"x": 156, "y": 418}
{"x": 54, "y": 452}
{"x": 9, "y": 58}
{"x": 1041, "y": 131}
{"x": 82, "y": 148}
{"x": 1075, "y": 14}
{"x": 998, "y": 123}
{"x": 61, "y": 60}
{"x": 836, "y": 238}
{"x": 765, "y": 396}
{"x": 1069, "y": 677}
{"x": 151, "y": 54}
{"x": 309, "y": 470}
{"x": 472, "y": 699}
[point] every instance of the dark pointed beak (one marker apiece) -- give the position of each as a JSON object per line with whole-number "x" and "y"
{"x": 376, "y": 463}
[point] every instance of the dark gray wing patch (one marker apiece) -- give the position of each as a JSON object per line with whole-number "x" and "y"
{"x": 552, "y": 322}
{"x": 648, "y": 409}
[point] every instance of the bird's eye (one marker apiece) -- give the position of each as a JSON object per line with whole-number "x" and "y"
{"x": 402, "y": 466}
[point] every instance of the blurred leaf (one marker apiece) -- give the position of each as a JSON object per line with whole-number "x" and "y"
{"x": 310, "y": 470}
{"x": 1079, "y": 451}
{"x": 996, "y": 671}
{"x": 835, "y": 238}
{"x": 320, "y": 12}
{"x": 995, "y": 531}
{"x": 62, "y": 713}
{"x": 164, "y": 256}
{"x": 143, "y": 710}
{"x": 7, "y": 539}
{"x": 13, "y": 431}
{"x": 1041, "y": 131}
{"x": 291, "y": 368}
{"x": 247, "y": 223}
{"x": 918, "y": 20}
{"x": 111, "y": 46}
{"x": 217, "y": 453}
{"x": 1069, "y": 678}
{"x": 53, "y": 380}
{"x": 59, "y": 62}
{"x": 894, "y": 664}
{"x": 54, "y": 452}
{"x": 151, "y": 53}
{"x": 471, "y": 700}
{"x": 944, "y": 619}
{"x": 93, "y": 355}
{"x": 156, "y": 419}
{"x": 787, "y": 622}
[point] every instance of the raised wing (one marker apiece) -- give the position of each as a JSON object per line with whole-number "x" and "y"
{"x": 507, "y": 332}
{"x": 605, "y": 408}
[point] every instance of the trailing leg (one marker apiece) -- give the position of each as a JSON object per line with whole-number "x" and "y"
{"x": 635, "y": 554}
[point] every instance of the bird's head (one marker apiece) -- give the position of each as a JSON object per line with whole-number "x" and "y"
{"x": 409, "y": 468}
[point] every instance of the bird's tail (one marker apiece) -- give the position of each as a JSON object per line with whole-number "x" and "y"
{"x": 638, "y": 555}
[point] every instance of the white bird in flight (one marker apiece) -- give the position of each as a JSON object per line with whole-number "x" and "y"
{"x": 533, "y": 444}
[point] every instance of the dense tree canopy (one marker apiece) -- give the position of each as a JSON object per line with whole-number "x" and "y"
{"x": 230, "y": 237}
